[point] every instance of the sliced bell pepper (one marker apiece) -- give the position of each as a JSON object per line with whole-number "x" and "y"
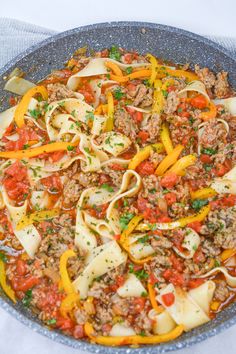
{"x": 180, "y": 166}
{"x": 226, "y": 254}
{"x": 23, "y": 105}
{"x": 5, "y": 287}
{"x": 130, "y": 228}
{"x": 158, "y": 98}
{"x": 114, "y": 68}
{"x": 28, "y": 153}
{"x": 169, "y": 160}
{"x": 200, "y": 216}
{"x": 165, "y": 138}
{"x": 154, "y": 66}
{"x": 144, "y": 154}
{"x": 68, "y": 304}
{"x": 203, "y": 193}
{"x": 136, "y": 339}
{"x": 135, "y": 75}
{"x": 210, "y": 114}
{"x": 152, "y": 297}
{"x": 110, "y": 112}
{"x": 98, "y": 110}
{"x": 37, "y": 217}
{"x": 66, "y": 282}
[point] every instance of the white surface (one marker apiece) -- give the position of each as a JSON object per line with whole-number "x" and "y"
{"x": 207, "y": 17}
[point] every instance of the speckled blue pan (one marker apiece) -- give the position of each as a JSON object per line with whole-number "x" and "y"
{"x": 166, "y": 42}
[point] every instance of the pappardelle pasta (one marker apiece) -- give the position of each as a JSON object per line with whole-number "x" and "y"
{"x": 117, "y": 197}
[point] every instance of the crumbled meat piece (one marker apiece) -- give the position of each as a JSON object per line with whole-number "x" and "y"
{"x": 150, "y": 188}
{"x": 103, "y": 313}
{"x": 81, "y": 316}
{"x": 52, "y": 274}
{"x": 71, "y": 192}
{"x": 120, "y": 306}
{"x": 64, "y": 220}
{"x": 222, "y": 89}
{"x": 153, "y": 127}
{"x": 97, "y": 290}
{"x": 206, "y": 76}
{"x": 116, "y": 176}
{"x": 213, "y": 134}
{"x": 142, "y": 95}
{"x": 125, "y": 124}
{"x": 210, "y": 249}
{"x": 58, "y": 92}
{"x": 161, "y": 242}
{"x": 86, "y": 179}
{"x": 172, "y": 103}
{"x": 221, "y": 292}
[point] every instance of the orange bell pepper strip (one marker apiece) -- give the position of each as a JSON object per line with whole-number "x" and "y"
{"x": 154, "y": 66}
{"x": 23, "y": 105}
{"x": 135, "y": 75}
{"x": 68, "y": 304}
{"x": 114, "y": 68}
{"x": 210, "y": 114}
{"x": 144, "y": 154}
{"x": 37, "y": 217}
{"x": 28, "y": 153}
{"x": 164, "y": 71}
{"x": 180, "y": 166}
{"x": 140, "y": 261}
{"x": 110, "y": 112}
{"x": 203, "y": 193}
{"x": 65, "y": 279}
{"x": 136, "y": 339}
{"x": 169, "y": 160}
{"x": 152, "y": 298}
{"x": 158, "y": 98}
{"x": 226, "y": 254}
{"x": 165, "y": 138}
{"x": 130, "y": 228}
{"x": 5, "y": 287}
{"x": 98, "y": 110}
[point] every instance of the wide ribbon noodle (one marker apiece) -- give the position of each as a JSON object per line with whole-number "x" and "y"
{"x": 189, "y": 308}
{"x": 96, "y": 196}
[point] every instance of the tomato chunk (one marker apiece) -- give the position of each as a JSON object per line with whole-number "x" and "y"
{"x": 168, "y": 299}
{"x": 145, "y": 168}
{"x": 170, "y": 198}
{"x": 169, "y": 180}
{"x": 199, "y": 102}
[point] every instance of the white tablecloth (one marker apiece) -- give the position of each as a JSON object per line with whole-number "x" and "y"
{"x": 212, "y": 18}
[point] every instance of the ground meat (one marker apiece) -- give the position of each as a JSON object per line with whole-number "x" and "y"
{"x": 222, "y": 89}
{"x": 125, "y": 124}
{"x": 58, "y": 92}
{"x": 81, "y": 316}
{"x": 151, "y": 188}
{"x": 161, "y": 242}
{"x": 97, "y": 290}
{"x": 206, "y": 76}
{"x": 142, "y": 96}
{"x": 172, "y": 103}
{"x": 71, "y": 192}
{"x": 153, "y": 127}
{"x": 63, "y": 220}
{"x": 210, "y": 249}
{"x": 86, "y": 179}
{"x": 221, "y": 292}
{"x": 179, "y": 127}
{"x": 142, "y": 323}
{"x": 213, "y": 135}
{"x": 120, "y": 306}
{"x": 116, "y": 176}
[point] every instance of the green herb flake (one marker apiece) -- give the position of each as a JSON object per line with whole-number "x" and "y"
{"x": 114, "y": 53}
{"x": 3, "y": 257}
{"x": 197, "y": 204}
{"x": 107, "y": 187}
{"x": 52, "y": 321}
{"x": 35, "y": 113}
{"x": 27, "y": 298}
{"x": 124, "y": 220}
{"x": 118, "y": 94}
{"x": 129, "y": 70}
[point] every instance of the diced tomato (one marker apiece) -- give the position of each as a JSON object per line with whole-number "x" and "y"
{"x": 137, "y": 117}
{"x": 139, "y": 303}
{"x": 128, "y": 58}
{"x": 87, "y": 91}
{"x": 153, "y": 279}
{"x": 57, "y": 155}
{"x": 57, "y": 76}
{"x": 177, "y": 238}
{"x": 163, "y": 218}
{"x": 176, "y": 263}
{"x": 117, "y": 167}
{"x": 174, "y": 277}
{"x": 64, "y": 323}
{"x": 117, "y": 237}
{"x": 12, "y": 101}
{"x": 9, "y": 129}
{"x": 195, "y": 225}
{"x": 220, "y": 170}
{"x": 106, "y": 327}
{"x": 53, "y": 183}
{"x": 24, "y": 283}
{"x": 25, "y": 135}
{"x": 195, "y": 283}
{"x": 184, "y": 114}
{"x": 229, "y": 200}
{"x": 205, "y": 158}
{"x": 120, "y": 279}
{"x": 143, "y": 135}
{"x": 171, "y": 88}
{"x": 78, "y": 332}
{"x": 199, "y": 256}
{"x": 199, "y": 102}
{"x": 168, "y": 299}
{"x": 169, "y": 180}
{"x": 21, "y": 267}
{"x": 145, "y": 168}
{"x": 170, "y": 198}
{"x": 131, "y": 87}
{"x": 215, "y": 204}
{"x": 16, "y": 181}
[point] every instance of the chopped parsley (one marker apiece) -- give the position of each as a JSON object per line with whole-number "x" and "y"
{"x": 141, "y": 274}
{"x": 27, "y": 298}
{"x": 3, "y": 257}
{"x": 89, "y": 116}
{"x": 165, "y": 93}
{"x": 125, "y": 219}
{"x": 197, "y": 204}
{"x": 129, "y": 70}
{"x": 209, "y": 151}
{"x": 52, "y": 321}
{"x": 70, "y": 148}
{"x": 207, "y": 167}
{"x": 35, "y": 113}
{"x": 107, "y": 187}
{"x": 118, "y": 94}
{"x": 143, "y": 239}
{"x": 114, "y": 53}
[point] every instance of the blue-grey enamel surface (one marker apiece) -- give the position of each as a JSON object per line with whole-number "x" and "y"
{"x": 165, "y": 42}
